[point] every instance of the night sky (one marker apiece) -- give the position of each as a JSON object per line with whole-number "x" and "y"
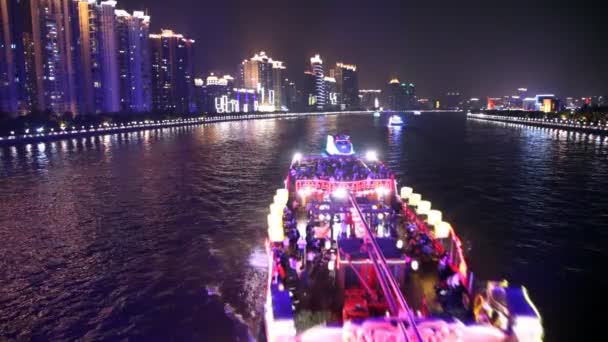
{"x": 474, "y": 47}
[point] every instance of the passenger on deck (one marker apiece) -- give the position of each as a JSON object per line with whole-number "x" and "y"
{"x": 301, "y": 246}
{"x": 350, "y": 223}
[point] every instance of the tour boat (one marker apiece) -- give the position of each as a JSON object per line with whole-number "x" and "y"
{"x": 395, "y": 120}
{"x": 339, "y": 145}
{"x": 417, "y": 112}
{"x": 376, "y": 114}
{"x": 353, "y": 257}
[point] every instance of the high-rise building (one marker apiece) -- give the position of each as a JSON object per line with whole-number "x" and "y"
{"x": 42, "y": 61}
{"x": 451, "y": 100}
{"x": 278, "y": 85}
{"x": 370, "y": 98}
{"x": 10, "y": 83}
{"x": 400, "y": 96}
{"x": 309, "y": 91}
{"x": 134, "y": 61}
{"x": 109, "y": 57}
{"x": 219, "y": 96}
{"x": 172, "y": 80}
{"x": 265, "y": 75}
{"x": 316, "y": 66}
{"x": 347, "y": 84}
{"x": 290, "y": 95}
{"x": 99, "y": 52}
{"x": 331, "y": 93}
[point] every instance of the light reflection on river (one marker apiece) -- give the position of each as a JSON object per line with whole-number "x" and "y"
{"x": 159, "y": 234}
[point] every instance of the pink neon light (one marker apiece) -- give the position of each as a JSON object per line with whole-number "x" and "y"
{"x": 361, "y": 185}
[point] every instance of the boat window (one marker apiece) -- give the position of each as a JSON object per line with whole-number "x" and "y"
{"x": 343, "y": 146}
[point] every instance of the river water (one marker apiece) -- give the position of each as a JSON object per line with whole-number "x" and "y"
{"x": 158, "y": 235}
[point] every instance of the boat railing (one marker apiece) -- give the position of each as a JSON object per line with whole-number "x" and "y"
{"x": 353, "y": 186}
{"x": 451, "y": 245}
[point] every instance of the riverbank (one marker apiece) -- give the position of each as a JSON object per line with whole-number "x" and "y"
{"x": 103, "y": 129}
{"x": 551, "y": 123}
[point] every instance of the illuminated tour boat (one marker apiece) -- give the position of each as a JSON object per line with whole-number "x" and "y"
{"x": 352, "y": 257}
{"x": 395, "y": 120}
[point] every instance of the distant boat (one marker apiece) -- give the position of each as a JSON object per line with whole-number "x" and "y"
{"x": 376, "y": 114}
{"x": 417, "y": 112}
{"x": 395, "y": 120}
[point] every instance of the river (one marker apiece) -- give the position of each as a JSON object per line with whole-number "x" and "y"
{"x": 158, "y": 235}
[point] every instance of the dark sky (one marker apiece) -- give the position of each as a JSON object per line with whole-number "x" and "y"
{"x": 474, "y": 47}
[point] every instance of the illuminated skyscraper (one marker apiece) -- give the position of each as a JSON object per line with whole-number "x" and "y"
{"x": 290, "y": 94}
{"x": 134, "y": 61}
{"x": 331, "y": 93}
{"x": 172, "y": 79}
{"x": 400, "y": 96}
{"x": 370, "y": 98}
{"x": 98, "y": 48}
{"x": 10, "y": 83}
{"x": 347, "y": 84}
{"x": 278, "y": 79}
{"x": 316, "y": 65}
{"x": 265, "y": 75}
{"x": 43, "y": 37}
{"x": 309, "y": 91}
{"x": 109, "y": 57}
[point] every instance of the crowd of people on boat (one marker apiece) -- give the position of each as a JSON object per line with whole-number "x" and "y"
{"x": 338, "y": 169}
{"x": 299, "y": 260}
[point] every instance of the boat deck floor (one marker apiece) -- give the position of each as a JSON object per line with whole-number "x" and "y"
{"x": 419, "y": 286}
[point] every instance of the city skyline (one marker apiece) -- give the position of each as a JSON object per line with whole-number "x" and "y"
{"x": 93, "y": 57}
{"x": 474, "y": 47}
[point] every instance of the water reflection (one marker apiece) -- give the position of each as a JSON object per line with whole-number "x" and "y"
{"x": 112, "y": 234}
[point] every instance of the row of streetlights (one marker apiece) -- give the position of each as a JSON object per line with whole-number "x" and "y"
{"x": 104, "y": 127}
{"x": 551, "y": 122}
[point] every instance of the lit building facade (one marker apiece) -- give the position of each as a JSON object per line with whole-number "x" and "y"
{"x": 400, "y": 96}
{"x": 473, "y": 104}
{"x": 316, "y": 66}
{"x": 266, "y": 76}
{"x": 10, "y": 83}
{"x": 331, "y": 93}
{"x": 308, "y": 94}
{"x": 98, "y": 49}
{"x": 172, "y": 79}
{"x": 290, "y": 95}
{"x": 347, "y": 83}
{"x": 370, "y": 98}
{"x": 18, "y": 77}
{"x": 218, "y": 95}
{"x": 278, "y": 85}
{"x": 546, "y": 103}
{"x": 134, "y": 61}
{"x": 43, "y": 39}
